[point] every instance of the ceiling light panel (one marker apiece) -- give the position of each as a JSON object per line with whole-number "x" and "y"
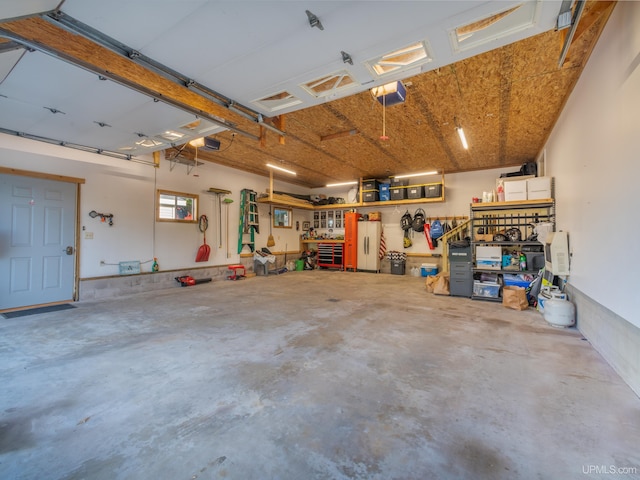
{"x": 400, "y": 60}
{"x": 495, "y": 26}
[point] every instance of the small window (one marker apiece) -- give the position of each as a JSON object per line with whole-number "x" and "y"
{"x": 177, "y": 207}
{"x": 282, "y": 218}
{"x": 330, "y": 84}
{"x": 400, "y": 60}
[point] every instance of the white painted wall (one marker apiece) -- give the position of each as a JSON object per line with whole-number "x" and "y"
{"x": 460, "y": 188}
{"x": 127, "y": 190}
{"x": 593, "y": 154}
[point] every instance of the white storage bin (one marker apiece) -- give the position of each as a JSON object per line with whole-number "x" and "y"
{"x": 539, "y": 188}
{"x": 488, "y": 258}
{"x": 515, "y": 190}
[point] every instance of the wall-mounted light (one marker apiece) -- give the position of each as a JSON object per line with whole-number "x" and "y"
{"x": 341, "y": 184}
{"x": 290, "y": 172}
{"x": 433, "y": 172}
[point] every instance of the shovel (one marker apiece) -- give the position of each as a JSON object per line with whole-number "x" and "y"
{"x": 204, "y": 250}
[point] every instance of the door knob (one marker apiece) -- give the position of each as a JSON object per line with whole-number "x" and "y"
{"x": 69, "y": 250}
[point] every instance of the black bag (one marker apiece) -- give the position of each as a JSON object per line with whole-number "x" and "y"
{"x": 418, "y": 220}
{"x": 406, "y": 221}
{"x": 529, "y": 168}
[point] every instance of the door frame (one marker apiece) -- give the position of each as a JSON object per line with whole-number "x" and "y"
{"x": 58, "y": 178}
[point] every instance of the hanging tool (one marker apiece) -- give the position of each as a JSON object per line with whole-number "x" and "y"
{"x": 284, "y": 267}
{"x": 204, "y": 250}
{"x": 270, "y": 241}
{"x": 227, "y": 201}
{"x": 427, "y": 233}
{"x": 219, "y": 222}
{"x": 219, "y": 193}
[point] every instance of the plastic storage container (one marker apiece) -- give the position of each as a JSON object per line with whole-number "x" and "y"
{"x": 415, "y": 191}
{"x": 488, "y": 290}
{"x": 517, "y": 280}
{"x": 427, "y": 269}
{"x": 385, "y": 194}
{"x": 398, "y": 267}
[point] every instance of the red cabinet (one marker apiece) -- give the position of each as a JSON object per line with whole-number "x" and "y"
{"x": 351, "y": 240}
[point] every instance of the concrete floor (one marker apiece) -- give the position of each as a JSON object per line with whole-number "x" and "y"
{"x": 308, "y": 375}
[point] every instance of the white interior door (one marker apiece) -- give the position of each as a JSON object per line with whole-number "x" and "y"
{"x": 37, "y": 241}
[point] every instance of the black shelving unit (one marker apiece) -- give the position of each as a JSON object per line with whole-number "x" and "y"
{"x": 488, "y": 219}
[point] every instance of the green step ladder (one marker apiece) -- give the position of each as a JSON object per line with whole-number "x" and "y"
{"x": 249, "y": 220}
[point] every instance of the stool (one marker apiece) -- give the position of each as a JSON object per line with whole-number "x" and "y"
{"x": 260, "y": 268}
{"x": 238, "y": 272}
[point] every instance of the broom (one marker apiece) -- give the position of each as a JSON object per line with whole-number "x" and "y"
{"x": 270, "y": 241}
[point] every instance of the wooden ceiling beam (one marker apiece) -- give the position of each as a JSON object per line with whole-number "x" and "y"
{"x": 77, "y": 49}
{"x": 346, "y": 133}
{"x": 591, "y": 16}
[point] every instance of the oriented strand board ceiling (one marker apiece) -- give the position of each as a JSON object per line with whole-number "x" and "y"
{"x": 117, "y": 76}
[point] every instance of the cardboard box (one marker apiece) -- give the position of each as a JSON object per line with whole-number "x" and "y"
{"x": 488, "y": 257}
{"x": 539, "y": 188}
{"x": 515, "y": 190}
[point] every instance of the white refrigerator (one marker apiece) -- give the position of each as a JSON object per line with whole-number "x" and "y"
{"x": 369, "y": 246}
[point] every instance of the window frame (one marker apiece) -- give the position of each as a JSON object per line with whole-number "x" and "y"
{"x": 194, "y": 197}
{"x": 283, "y": 213}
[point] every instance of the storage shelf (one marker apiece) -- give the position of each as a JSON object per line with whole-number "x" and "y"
{"x": 292, "y": 202}
{"x": 325, "y": 240}
{"x": 488, "y": 299}
{"x": 507, "y": 244}
{"x": 488, "y": 270}
{"x": 496, "y": 216}
{"x": 347, "y": 206}
{"x": 546, "y": 202}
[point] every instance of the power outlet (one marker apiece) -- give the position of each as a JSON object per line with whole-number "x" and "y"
{"x": 88, "y": 235}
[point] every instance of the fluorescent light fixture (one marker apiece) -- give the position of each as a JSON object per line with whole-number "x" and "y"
{"x": 290, "y": 172}
{"x": 341, "y": 184}
{"x": 433, "y": 172}
{"x": 197, "y": 142}
{"x": 463, "y": 139}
